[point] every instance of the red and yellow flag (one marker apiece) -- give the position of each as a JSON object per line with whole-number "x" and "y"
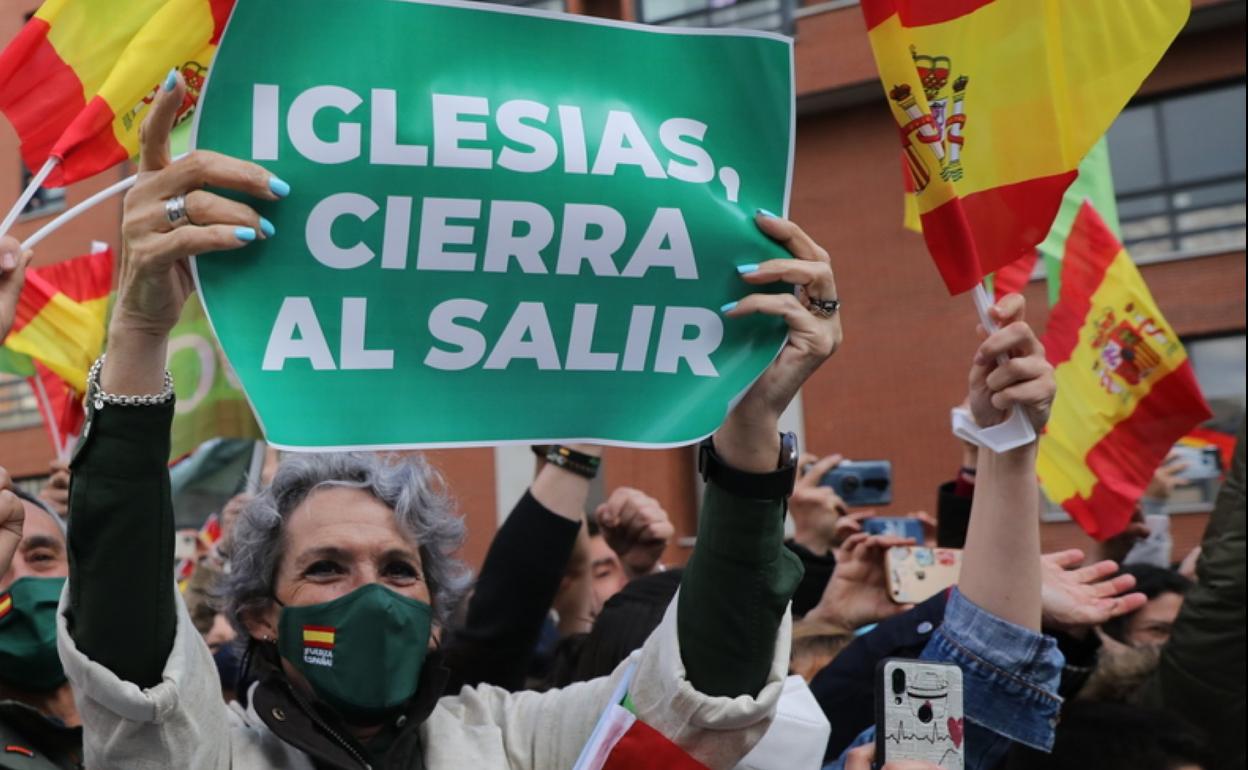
{"x": 1126, "y": 391}
{"x": 998, "y": 101}
{"x": 77, "y": 80}
{"x": 6, "y": 604}
{"x": 61, "y": 316}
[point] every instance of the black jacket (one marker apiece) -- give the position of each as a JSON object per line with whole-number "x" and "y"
{"x": 31, "y": 741}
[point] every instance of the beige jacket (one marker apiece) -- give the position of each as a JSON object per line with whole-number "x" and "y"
{"x": 183, "y": 722}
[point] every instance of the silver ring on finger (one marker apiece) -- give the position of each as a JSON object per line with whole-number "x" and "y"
{"x": 175, "y": 210}
{"x": 823, "y": 308}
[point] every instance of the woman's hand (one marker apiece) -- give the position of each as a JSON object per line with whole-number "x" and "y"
{"x": 155, "y": 278}
{"x": 1025, "y": 379}
{"x": 748, "y": 439}
{"x": 155, "y": 274}
{"x": 12, "y": 518}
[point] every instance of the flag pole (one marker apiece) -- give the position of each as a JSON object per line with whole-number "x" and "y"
{"x": 70, "y": 214}
{"x": 49, "y": 416}
{"x": 33, "y": 187}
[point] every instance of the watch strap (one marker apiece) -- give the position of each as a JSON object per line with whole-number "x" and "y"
{"x": 773, "y": 485}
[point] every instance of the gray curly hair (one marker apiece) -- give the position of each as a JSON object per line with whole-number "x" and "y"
{"x": 409, "y": 486}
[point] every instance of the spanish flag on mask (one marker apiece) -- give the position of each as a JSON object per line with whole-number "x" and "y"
{"x": 998, "y": 101}
{"x": 1126, "y": 391}
{"x": 77, "y": 80}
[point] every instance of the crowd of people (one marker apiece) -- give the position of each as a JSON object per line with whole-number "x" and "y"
{"x": 332, "y": 626}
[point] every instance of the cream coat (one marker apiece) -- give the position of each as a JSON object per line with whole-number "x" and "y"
{"x": 183, "y": 722}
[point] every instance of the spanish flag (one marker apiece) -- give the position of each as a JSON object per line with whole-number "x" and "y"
{"x": 621, "y": 741}
{"x": 321, "y": 637}
{"x": 998, "y": 101}
{"x": 1095, "y": 183}
{"x": 1126, "y": 391}
{"x": 6, "y": 605}
{"x": 77, "y": 80}
{"x": 61, "y": 316}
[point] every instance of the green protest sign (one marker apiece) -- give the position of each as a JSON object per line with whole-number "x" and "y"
{"x": 504, "y": 225}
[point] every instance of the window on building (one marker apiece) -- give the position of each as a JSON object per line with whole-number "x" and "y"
{"x": 46, "y": 201}
{"x": 771, "y": 15}
{"x": 1178, "y": 166}
{"x": 1219, "y": 364}
{"x": 18, "y": 408}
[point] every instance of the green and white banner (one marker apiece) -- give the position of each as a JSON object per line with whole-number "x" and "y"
{"x": 504, "y": 225}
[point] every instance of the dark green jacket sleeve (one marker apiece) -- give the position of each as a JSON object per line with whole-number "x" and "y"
{"x": 734, "y": 593}
{"x": 1202, "y": 671}
{"x": 121, "y": 607}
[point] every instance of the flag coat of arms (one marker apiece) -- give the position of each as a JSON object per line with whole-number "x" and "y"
{"x": 79, "y": 77}
{"x": 1126, "y": 391}
{"x": 998, "y": 101}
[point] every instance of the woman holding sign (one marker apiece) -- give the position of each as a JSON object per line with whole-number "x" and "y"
{"x": 342, "y": 574}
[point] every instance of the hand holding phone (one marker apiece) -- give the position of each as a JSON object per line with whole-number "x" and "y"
{"x": 862, "y": 482}
{"x": 917, "y": 573}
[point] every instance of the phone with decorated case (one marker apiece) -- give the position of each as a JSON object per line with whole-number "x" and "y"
{"x": 917, "y": 573}
{"x": 918, "y": 713}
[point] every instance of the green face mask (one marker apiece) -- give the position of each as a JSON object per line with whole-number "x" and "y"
{"x": 28, "y": 658}
{"x": 362, "y": 653}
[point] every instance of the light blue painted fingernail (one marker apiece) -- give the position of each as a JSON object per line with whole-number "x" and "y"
{"x": 245, "y": 234}
{"x": 267, "y": 228}
{"x": 727, "y": 308}
{"x": 767, "y": 214}
{"x": 747, "y": 269}
{"x": 171, "y": 80}
{"x": 279, "y": 186}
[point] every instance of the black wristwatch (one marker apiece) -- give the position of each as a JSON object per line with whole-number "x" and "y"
{"x": 776, "y": 485}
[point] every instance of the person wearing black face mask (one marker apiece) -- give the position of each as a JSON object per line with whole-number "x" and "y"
{"x": 39, "y": 724}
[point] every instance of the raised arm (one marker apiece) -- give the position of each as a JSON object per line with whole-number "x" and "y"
{"x": 1000, "y": 565}
{"x": 519, "y": 580}
{"x": 121, "y": 611}
{"x": 740, "y": 578}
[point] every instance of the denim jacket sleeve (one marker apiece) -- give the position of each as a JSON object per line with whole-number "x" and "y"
{"x": 1010, "y": 677}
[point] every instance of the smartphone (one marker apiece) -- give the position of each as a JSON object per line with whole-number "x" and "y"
{"x": 862, "y": 482}
{"x": 184, "y": 544}
{"x": 917, "y": 573}
{"x": 918, "y": 713}
{"x": 1202, "y": 462}
{"x": 899, "y": 526}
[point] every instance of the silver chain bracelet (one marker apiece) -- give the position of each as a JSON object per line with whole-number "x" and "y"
{"x": 99, "y": 398}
